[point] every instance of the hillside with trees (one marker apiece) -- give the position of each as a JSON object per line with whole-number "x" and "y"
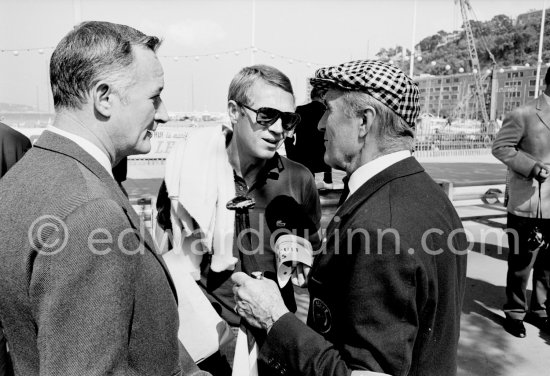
{"x": 510, "y": 44}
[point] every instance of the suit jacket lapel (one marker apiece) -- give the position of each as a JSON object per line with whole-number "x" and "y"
{"x": 58, "y": 144}
{"x": 543, "y": 111}
{"x": 408, "y": 166}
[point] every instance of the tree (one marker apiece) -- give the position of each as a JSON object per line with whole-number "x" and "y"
{"x": 509, "y": 44}
{"x": 502, "y": 24}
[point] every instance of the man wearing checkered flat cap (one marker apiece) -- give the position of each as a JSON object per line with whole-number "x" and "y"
{"x": 387, "y": 290}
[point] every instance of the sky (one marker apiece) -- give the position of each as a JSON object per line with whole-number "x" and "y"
{"x": 206, "y": 42}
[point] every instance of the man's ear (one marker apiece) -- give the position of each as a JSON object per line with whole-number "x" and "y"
{"x": 102, "y": 97}
{"x": 367, "y": 121}
{"x": 234, "y": 111}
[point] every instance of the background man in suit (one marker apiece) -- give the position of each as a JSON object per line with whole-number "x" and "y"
{"x": 523, "y": 144}
{"x": 308, "y": 145}
{"x": 83, "y": 290}
{"x": 386, "y": 293}
{"x": 13, "y": 145}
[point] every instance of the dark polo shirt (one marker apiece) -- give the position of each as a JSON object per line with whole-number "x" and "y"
{"x": 280, "y": 176}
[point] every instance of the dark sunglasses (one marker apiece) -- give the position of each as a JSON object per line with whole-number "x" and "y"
{"x": 266, "y": 116}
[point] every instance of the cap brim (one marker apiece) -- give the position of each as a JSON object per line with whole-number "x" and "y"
{"x": 327, "y": 83}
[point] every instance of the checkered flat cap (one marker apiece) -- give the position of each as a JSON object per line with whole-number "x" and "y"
{"x": 382, "y": 81}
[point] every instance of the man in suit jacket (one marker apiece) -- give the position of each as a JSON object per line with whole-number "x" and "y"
{"x": 523, "y": 144}
{"x": 308, "y": 145}
{"x": 83, "y": 290}
{"x": 13, "y": 145}
{"x": 387, "y": 290}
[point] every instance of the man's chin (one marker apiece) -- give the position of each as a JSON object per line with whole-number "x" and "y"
{"x": 333, "y": 164}
{"x": 267, "y": 154}
{"x": 146, "y": 150}
{"x": 143, "y": 148}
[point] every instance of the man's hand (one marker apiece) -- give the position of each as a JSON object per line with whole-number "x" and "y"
{"x": 540, "y": 171}
{"x": 258, "y": 300}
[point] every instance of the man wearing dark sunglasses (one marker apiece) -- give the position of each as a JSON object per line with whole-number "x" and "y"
{"x": 261, "y": 112}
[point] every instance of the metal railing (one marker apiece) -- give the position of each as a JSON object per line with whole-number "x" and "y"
{"x": 435, "y": 137}
{"x": 439, "y": 137}
{"x": 454, "y": 144}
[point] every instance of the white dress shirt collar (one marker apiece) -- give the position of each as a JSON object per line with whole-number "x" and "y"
{"x": 368, "y": 170}
{"x": 88, "y": 147}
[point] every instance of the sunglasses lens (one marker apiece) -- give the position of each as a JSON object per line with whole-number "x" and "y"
{"x": 290, "y": 120}
{"x": 267, "y": 116}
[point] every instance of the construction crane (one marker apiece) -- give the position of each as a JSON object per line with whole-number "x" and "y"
{"x": 457, "y": 112}
{"x": 476, "y": 70}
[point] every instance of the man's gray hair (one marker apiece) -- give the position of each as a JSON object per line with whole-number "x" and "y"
{"x": 91, "y": 52}
{"x": 394, "y": 134}
{"x": 242, "y": 82}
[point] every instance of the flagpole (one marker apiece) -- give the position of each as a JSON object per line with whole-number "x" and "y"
{"x": 411, "y": 67}
{"x": 541, "y": 39}
{"x": 77, "y": 16}
{"x": 253, "y": 32}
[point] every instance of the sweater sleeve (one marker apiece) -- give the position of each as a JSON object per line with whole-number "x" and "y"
{"x": 506, "y": 145}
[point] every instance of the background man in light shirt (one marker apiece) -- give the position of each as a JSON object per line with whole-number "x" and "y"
{"x": 387, "y": 290}
{"x": 523, "y": 145}
{"x": 84, "y": 291}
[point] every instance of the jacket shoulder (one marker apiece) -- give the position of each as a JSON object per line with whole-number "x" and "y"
{"x": 50, "y": 182}
{"x": 528, "y": 108}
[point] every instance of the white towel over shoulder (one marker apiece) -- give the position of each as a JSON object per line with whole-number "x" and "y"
{"x": 199, "y": 181}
